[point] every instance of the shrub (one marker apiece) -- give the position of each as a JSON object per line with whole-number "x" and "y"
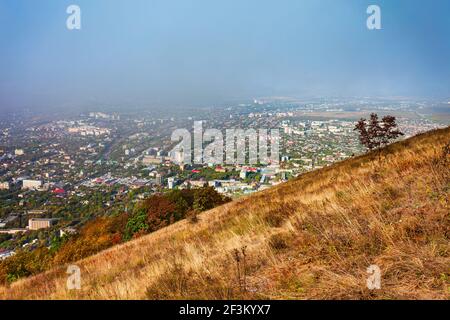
{"x": 274, "y": 218}
{"x": 208, "y": 198}
{"x": 279, "y": 241}
{"x": 95, "y": 236}
{"x": 24, "y": 263}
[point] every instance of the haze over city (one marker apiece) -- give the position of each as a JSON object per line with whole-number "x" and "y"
{"x": 183, "y": 53}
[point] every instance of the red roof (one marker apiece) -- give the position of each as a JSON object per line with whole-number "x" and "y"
{"x": 196, "y": 171}
{"x": 59, "y": 191}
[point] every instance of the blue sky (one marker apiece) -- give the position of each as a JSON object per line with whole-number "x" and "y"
{"x": 183, "y": 52}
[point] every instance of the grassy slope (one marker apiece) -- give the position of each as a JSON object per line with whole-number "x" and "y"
{"x": 312, "y": 237}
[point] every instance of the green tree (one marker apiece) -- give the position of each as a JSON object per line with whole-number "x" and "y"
{"x": 136, "y": 224}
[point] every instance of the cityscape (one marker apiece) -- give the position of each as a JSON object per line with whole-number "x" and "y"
{"x": 57, "y": 173}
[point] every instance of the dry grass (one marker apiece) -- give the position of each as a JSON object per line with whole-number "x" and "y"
{"x": 311, "y": 238}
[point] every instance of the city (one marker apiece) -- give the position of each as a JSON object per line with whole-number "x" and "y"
{"x": 57, "y": 174}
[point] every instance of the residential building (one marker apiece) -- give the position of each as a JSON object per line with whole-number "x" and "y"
{"x": 31, "y": 184}
{"x": 40, "y": 223}
{"x": 4, "y": 185}
{"x": 148, "y": 160}
{"x": 158, "y": 179}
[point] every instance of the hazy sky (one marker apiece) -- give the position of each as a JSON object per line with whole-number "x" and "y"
{"x": 175, "y": 52}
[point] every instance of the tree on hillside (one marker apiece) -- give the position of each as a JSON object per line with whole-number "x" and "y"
{"x": 375, "y": 134}
{"x": 161, "y": 212}
{"x": 207, "y": 198}
{"x": 136, "y": 225}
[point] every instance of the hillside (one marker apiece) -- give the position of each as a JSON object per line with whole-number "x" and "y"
{"x": 311, "y": 238}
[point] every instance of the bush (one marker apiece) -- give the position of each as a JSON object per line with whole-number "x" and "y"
{"x": 24, "y": 263}
{"x": 279, "y": 241}
{"x": 95, "y": 236}
{"x": 208, "y": 198}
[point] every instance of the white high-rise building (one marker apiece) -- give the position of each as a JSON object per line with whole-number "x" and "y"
{"x": 177, "y": 157}
{"x": 171, "y": 183}
{"x": 158, "y": 179}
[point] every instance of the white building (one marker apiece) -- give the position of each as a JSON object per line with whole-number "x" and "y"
{"x": 31, "y": 184}
{"x": 158, "y": 179}
{"x": 148, "y": 160}
{"x": 40, "y": 223}
{"x": 6, "y": 254}
{"x": 4, "y": 185}
{"x": 171, "y": 182}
